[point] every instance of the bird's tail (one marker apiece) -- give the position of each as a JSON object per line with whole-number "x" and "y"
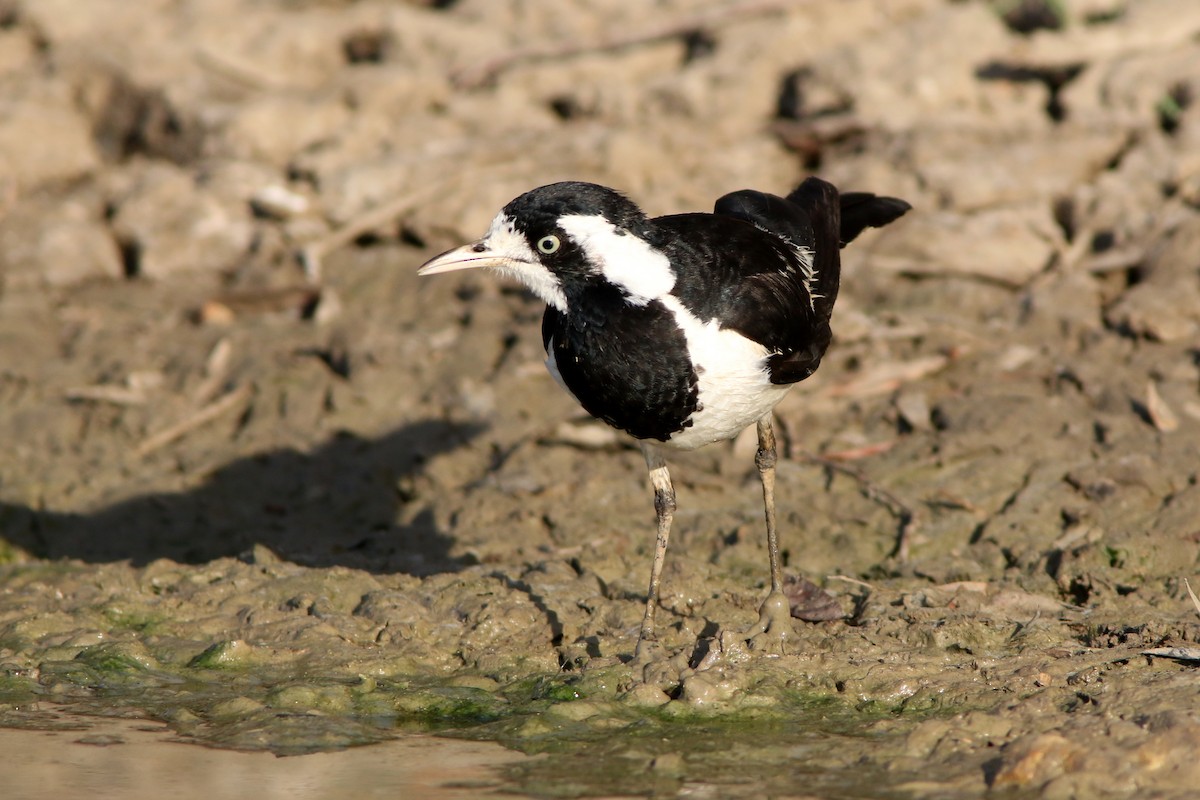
{"x": 836, "y": 220}
{"x": 861, "y": 210}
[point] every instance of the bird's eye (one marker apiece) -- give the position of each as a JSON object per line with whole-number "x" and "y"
{"x": 548, "y": 244}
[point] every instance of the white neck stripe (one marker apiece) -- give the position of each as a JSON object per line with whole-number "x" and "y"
{"x": 642, "y": 272}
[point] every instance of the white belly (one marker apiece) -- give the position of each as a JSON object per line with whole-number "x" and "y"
{"x": 735, "y": 390}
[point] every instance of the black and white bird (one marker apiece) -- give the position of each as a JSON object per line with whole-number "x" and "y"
{"x": 682, "y": 330}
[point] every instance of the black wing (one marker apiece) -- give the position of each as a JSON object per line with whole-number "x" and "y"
{"x": 787, "y": 306}
{"x": 810, "y": 217}
{"x": 769, "y": 267}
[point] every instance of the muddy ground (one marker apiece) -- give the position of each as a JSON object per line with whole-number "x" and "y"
{"x": 264, "y": 485}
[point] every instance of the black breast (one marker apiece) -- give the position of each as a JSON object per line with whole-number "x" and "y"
{"x": 627, "y": 365}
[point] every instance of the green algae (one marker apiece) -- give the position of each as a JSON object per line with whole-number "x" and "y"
{"x": 15, "y": 689}
{"x": 286, "y": 712}
{"x": 232, "y": 655}
{"x": 596, "y": 740}
{"x": 803, "y": 744}
{"x": 118, "y": 658}
{"x": 313, "y": 679}
{"x": 136, "y": 621}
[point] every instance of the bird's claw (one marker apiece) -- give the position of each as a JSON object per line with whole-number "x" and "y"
{"x": 774, "y": 626}
{"x": 648, "y": 650}
{"x": 652, "y": 664}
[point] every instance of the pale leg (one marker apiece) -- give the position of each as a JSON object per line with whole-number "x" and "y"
{"x": 774, "y": 624}
{"x": 664, "y": 507}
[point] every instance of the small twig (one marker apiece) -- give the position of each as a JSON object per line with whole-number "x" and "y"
{"x": 868, "y": 586}
{"x": 887, "y": 377}
{"x": 876, "y": 493}
{"x": 215, "y": 370}
{"x": 503, "y": 151}
{"x": 242, "y": 74}
{"x": 487, "y": 71}
{"x": 313, "y": 253}
{"x": 1191, "y": 594}
{"x": 135, "y": 392}
{"x": 866, "y": 451}
{"x": 117, "y": 395}
{"x": 205, "y": 415}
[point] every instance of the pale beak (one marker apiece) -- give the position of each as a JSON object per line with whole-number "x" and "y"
{"x": 507, "y": 253}
{"x": 469, "y": 256}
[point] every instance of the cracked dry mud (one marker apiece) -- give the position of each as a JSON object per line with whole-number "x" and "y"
{"x": 294, "y": 510}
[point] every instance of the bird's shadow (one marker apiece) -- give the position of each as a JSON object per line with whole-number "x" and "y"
{"x": 340, "y": 504}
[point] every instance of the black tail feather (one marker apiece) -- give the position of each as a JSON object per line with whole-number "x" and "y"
{"x": 788, "y": 310}
{"x": 817, "y": 216}
{"x": 862, "y": 210}
{"x": 818, "y": 200}
{"x": 767, "y": 211}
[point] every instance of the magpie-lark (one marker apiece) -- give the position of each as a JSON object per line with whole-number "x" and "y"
{"x": 682, "y": 330}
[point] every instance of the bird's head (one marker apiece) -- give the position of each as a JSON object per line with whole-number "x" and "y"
{"x": 560, "y": 238}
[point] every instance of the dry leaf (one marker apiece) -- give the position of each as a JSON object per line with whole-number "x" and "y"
{"x": 810, "y": 602}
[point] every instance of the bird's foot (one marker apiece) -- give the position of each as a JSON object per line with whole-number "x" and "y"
{"x": 774, "y": 627}
{"x": 652, "y": 664}
{"x": 647, "y": 651}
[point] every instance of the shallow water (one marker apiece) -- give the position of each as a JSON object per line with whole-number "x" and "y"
{"x": 88, "y": 720}
{"x": 139, "y": 760}
{"x": 63, "y": 754}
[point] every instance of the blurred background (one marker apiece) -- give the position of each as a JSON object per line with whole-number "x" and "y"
{"x": 214, "y": 351}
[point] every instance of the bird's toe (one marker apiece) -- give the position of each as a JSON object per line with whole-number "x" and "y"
{"x": 654, "y": 665}
{"x": 773, "y": 633}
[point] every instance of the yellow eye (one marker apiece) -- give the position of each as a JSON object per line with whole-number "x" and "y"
{"x": 548, "y": 244}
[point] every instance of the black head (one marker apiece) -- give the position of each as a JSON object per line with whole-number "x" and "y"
{"x": 540, "y": 209}
{"x": 560, "y": 238}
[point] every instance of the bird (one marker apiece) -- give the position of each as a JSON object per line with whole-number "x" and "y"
{"x": 682, "y": 330}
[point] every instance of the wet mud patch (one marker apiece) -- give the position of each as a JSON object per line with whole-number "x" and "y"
{"x": 941, "y": 689}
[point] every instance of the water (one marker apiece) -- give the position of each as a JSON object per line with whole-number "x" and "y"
{"x": 137, "y": 760}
